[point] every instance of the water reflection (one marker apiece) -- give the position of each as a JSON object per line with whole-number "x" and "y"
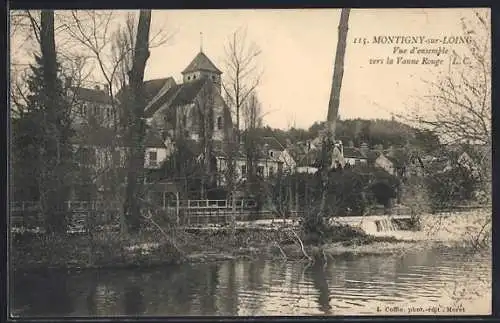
{"x": 318, "y": 275}
{"x": 346, "y": 285}
{"x": 133, "y": 301}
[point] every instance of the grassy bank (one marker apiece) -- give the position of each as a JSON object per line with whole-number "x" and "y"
{"x": 153, "y": 247}
{"x": 150, "y": 248}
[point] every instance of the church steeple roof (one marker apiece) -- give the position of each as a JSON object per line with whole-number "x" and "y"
{"x": 201, "y": 62}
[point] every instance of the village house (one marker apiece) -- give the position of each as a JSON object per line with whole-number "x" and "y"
{"x": 308, "y": 156}
{"x": 400, "y": 162}
{"x": 354, "y": 157}
{"x": 98, "y": 149}
{"x": 463, "y": 160}
{"x": 381, "y": 161}
{"x": 267, "y": 165}
{"x": 304, "y": 154}
{"x": 280, "y": 153}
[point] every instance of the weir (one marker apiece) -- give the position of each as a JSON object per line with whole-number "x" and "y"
{"x": 374, "y": 224}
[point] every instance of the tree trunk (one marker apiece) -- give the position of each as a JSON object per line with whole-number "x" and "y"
{"x": 333, "y": 107}
{"x": 54, "y": 182}
{"x": 136, "y": 132}
{"x": 338, "y": 73}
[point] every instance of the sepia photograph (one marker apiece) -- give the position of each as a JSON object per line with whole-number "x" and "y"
{"x": 249, "y": 162}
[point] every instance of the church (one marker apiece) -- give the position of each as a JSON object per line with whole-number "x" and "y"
{"x": 193, "y": 110}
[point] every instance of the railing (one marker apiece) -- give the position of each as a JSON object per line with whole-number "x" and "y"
{"x": 106, "y": 214}
{"x": 27, "y": 215}
{"x": 17, "y": 206}
{"x": 215, "y": 204}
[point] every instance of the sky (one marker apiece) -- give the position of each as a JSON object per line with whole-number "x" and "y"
{"x": 297, "y": 54}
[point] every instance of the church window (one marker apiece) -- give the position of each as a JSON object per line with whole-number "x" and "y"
{"x": 219, "y": 122}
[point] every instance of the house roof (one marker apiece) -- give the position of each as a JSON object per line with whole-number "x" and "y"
{"x": 372, "y": 155}
{"x": 160, "y": 101}
{"x": 201, "y": 62}
{"x": 179, "y": 94}
{"x": 297, "y": 151}
{"x": 103, "y": 137}
{"x": 151, "y": 88}
{"x": 153, "y": 140}
{"x": 272, "y": 143}
{"x": 350, "y": 152}
{"x": 311, "y": 158}
{"x": 188, "y": 92}
{"x": 92, "y": 95}
{"x": 98, "y": 137}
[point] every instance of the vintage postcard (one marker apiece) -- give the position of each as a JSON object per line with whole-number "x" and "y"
{"x": 250, "y": 162}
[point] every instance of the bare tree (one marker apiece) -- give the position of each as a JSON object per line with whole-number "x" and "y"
{"x": 461, "y": 99}
{"x": 242, "y": 74}
{"x": 338, "y": 73}
{"x": 252, "y": 116}
{"x": 54, "y": 151}
{"x": 136, "y": 127}
{"x": 333, "y": 108}
{"x": 204, "y": 114}
{"x": 107, "y": 40}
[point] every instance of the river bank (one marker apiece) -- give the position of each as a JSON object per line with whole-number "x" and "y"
{"x": 150, "y": 248}
{"x": 284, "y": 242}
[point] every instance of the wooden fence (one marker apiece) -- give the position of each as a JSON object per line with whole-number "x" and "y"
{"x": 105, "y": 215}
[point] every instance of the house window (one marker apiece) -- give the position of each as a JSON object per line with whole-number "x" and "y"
{"x": 271, "y": 171}
{"x": 189, "y": 78}
{"x": 260, "y": 170}
{"x": 219, "y": 122}
{"x": 83, "y": 109}
{"x": 153, "y": 158}
{"x": 86, "y": 156}
{"x": 243, "y": 170}
{"x": 271, "y": 153}
{"x": 184, "y": 120}
{"x": 213, "y": 77}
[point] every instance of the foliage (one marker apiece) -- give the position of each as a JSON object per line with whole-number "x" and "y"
{"x": 458, "y": 106}
{"x": 451, "y": 187}
{"x": 426, "y": 140}
{"x": 41, "y": 151}
{"x": 352, "y": 191}
{"x": 182, "y": 167}
{"x": 378, "y": 132}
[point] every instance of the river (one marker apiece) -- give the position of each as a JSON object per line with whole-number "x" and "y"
{"x": 428, "y": 280}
